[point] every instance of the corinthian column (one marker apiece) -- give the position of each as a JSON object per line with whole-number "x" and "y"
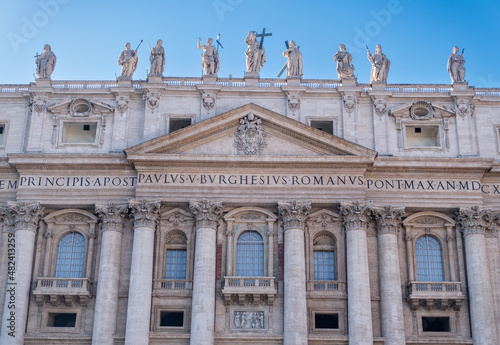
{"x": 356, "y": 216}
{"x": 207, "y": 215}
{"x": 391, "y": 296}
{"x": 145, "y": 214}
{"x": 106, "y": 306}
{"x": 26, "y": 217}
{"x": 474, "y": 223}
{"x": 293, "y": 216}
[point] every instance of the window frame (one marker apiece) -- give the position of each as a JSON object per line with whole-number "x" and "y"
{"x": 429, "y": 262}
{"x": 83, "y": 259}
{"x": 235, "y": 249}
{"x": 79, "y": 121}
{"x": 439, "y": 135}
{"x": 263, "y": 268}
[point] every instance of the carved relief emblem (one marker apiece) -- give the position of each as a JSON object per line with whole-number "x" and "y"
{"x": 380, "y": 106}
{"x": 249, "y": 320}
{"x": 463, "y": 106}
{"x": 350, "y": 103}
{"x": 293, "y": 102}
{"x": 38, "y": 103}
{"x": 208, "y": 100}
{"x": 152, "y": 100}
{"x": 80, "y": 107}
{"x": 421, "y": 110}
{"x": 250, "y": 139}
{"x": 122, "y": 104}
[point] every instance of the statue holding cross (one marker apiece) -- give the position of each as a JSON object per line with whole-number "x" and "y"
{"x": 255, "y": 53}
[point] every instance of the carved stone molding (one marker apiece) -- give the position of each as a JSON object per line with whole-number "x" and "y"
{"x": 26, "y": 215}
{"x": 475, "y": 221}
{"x": 152, "y": 100}
{"x": 356, "y": 215}
{"x": 145, "y": 212}
{"x": 206, "y": 213}
{"x": 7, "y": 218}
{"x": 388, "y": 219}
{"x": 294, "y": 214}
{"x": 421, "y": 110}
{"x": 112, "y": 216}
{"x": 250, "y": 139}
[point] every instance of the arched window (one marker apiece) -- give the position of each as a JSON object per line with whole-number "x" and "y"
{"x": 70, "y": 256}
{"x": 429, "y": 259}
{"x": 250, "y": 254}
{"x": 324, "y": 265}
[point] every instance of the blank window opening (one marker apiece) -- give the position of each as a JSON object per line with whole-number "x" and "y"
{"x": 2, "y": 131}
{"x": 427, "y": 136}
{"x": 172, "y": 319}
{"x": 176, "y": 124}
{"x": 79, "y": 133}
{"x": 436, "y": 324}
{"x": 326, "y": 321}
{"x": 325, "y": 126}
{"x": 61, "y": 320}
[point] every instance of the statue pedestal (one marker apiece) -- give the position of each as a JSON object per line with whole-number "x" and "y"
{"x": 459, "y": 86}
{"x": 124, "y": 82}
{"x": 378, "y": 86}
{"x": 251, "y": 79}
{"x": 43, "y": 82}
{"x": 155, "y": 79}
{"x": 209, "y": 79}
{"x": 348, "y": 81}
{"x": 293, "y": 81}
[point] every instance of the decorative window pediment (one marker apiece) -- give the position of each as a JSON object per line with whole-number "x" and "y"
{"x": 420, "y": 111}
{"x": 80, "y": 107}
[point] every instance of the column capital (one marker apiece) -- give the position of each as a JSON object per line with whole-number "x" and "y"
{"x": 475, "y": 221}
{"x": 25, "y": 215}
{"x": 388, "y": 219}
{"x": 294, "y": 214}
{"x": 7, "y": 218}
{"x": 206, "y": 213}
{"x": 145, "y": 212}
{"x": 112, "y": 215}
{"x": 356, "y": 215}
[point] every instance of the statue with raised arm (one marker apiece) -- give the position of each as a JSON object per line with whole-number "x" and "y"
{"x": 128, "y": 60}
{"x": 157, "y": 59}
{"x": 345, "y": 68}
{"x": 255, "y": 54}
{"x": 209, "y": 58}
{"x": 456, "y": 66}
{"x": 294, "y": 63}
{"x": 380, "y": 65}
{"x": 45, "y": 63}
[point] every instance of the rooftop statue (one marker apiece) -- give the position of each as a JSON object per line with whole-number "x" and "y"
{"x": 255, "y": 54}
{"x": 209, "y": 58}
{"x": 128, "y": 60}
{"x": 380, "y": 65}
{"x": 294, "y": 64}
{"x": 345, "y": 68}
{"x": 157, "y": 59}
{"x": 45, "y": 63}
{"x": 456, "y": 66}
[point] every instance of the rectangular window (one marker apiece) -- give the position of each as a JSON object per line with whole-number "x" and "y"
{"x": 2, "y": 134}
{"x": 61, "y": 320}
{"x": 176, "y": 264}
{"x": 325, "y": 126}
{"x": 422, "y": 136}
{"x": 324, "y": 268}
{"x": 435, "y": 324}
{"x": 79, "y": 133}
{"x": 178, "y": 123}
{"x": 172, "y": 319}
{"x": 326, "y": 321}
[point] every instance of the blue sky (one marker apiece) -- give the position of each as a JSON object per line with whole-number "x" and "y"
{"x": 88, "y": 36}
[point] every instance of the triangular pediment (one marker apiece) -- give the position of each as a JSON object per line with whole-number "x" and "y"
{"x": 421, "y": 110}
{"x": 252, "y": 132}
{"x": 80, "y": 107}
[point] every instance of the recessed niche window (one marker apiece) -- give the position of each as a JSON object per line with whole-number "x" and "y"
{"x": 172, "y": 319}
{"x": 435, "y": 324}
{"x": 79, "y": 133}
{"x": 2, "y": 134}
{"x": 61, "y": 320}
{"x": 179, "y": 123}
{"x": 326, "y": 321}
{"x": 325, "y": 126}
{"x": 422, "y": 136}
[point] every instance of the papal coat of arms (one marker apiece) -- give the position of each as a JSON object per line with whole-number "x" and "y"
{"x": 250, "y": 139}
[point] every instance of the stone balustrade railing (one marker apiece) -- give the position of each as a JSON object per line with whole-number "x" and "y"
{"x": 243, "y": 282}
{"x": 326, "y": 285}
{"x": 418, "y": 287}
{"x": 169, "y": 284}
{"x": 62, "y": 285}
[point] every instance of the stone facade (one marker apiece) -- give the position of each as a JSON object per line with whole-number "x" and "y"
{"x": 249, "y": 211}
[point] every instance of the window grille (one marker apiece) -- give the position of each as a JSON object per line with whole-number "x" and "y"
{"x": 176, "y": 264}
{"x": 429, "y": 259}
{"x": 250, "y": 254}
{"x": 324, "y": 268}
{"x": 70, "y": 256}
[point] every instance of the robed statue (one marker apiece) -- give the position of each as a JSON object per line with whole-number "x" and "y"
{"x": 209, "y": 58}
{"x": 345, "y": 68}
{"x": 380, "y": 65}
{"x": 157, "y": 59}
{"x": 45, "y": 63}
{"x": 456, "y": 66}
{"x": 255, "y": 54}
{"x": 294, "y": 63}
{"x": 128, "y": 60}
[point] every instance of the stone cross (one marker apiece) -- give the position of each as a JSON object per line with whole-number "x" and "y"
{"x": 262, "y": 35}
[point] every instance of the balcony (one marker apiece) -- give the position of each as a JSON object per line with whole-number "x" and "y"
{"x": 435, "y": 295}
{"x": 326, "y": 289}
{"x": 240, "y": 289}
{"x": 62, "y": 290}
{"x": 172, "y": 287}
